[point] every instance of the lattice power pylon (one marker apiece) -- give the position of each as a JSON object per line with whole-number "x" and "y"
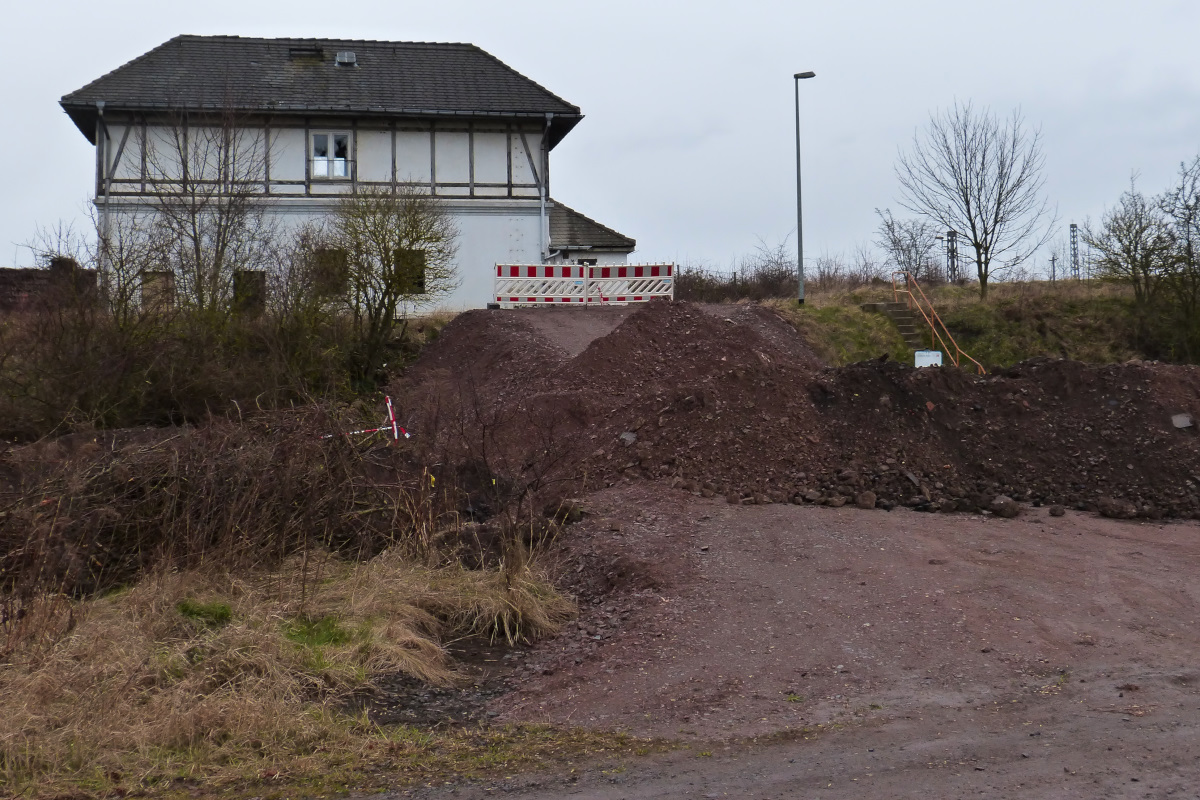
{"x": 952, "y": 256}
{"x": 1074, "y": 251}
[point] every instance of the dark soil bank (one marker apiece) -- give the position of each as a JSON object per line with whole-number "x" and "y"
{"x": 730, "y": 401}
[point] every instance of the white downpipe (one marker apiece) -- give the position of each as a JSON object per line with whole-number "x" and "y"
{"x": 103, "y": 170}
{"x": 543, "y": 190}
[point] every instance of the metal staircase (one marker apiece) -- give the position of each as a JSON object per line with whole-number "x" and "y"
{"x": 918, "y": 322}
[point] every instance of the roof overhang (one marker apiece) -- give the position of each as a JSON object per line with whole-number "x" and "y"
{"x": 85, "y": 115}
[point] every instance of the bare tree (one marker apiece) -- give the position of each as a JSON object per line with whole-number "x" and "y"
{"x": 968, "y": 171}
{"x": 119, "y": 250}
{"x": 85, "y": 350}
{"x": 399, "y": 248}
{"x": 1181, "y": 276}
{"x": 1131, "y": 243}
{"x": 206, "y": 175}
{"x": 124, "y": 252}
{"x": 911, "y": 245}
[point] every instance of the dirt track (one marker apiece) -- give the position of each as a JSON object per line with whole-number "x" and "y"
{"x": 950, "y": 656}
{"x": 847, "y": 652}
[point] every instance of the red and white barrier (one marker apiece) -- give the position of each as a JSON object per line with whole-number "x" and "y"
{"x": 391, "y": 425}
{"x": 538, "y": 284}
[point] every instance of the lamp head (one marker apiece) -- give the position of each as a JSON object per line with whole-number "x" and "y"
{"x": 800, "y": 75}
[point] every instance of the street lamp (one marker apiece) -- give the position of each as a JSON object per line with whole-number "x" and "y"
{"x": 799, "y": 213}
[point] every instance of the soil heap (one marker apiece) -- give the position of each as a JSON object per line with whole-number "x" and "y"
{"x": 731, "y": 400}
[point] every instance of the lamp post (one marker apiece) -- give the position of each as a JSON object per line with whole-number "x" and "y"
{"x": 799, "y": 208}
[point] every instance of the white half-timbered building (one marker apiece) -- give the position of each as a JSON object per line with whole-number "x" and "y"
{"x": 326, "y": 117}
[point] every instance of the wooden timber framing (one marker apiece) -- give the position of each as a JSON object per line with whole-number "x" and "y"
{"x": 138, "y": 181}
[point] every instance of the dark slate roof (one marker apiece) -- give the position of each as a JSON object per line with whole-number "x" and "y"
{"x": 569, "y": 229}
{"x": 301, "y": 76}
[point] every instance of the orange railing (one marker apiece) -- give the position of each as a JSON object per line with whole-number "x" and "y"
{"x": 929, "y": 313}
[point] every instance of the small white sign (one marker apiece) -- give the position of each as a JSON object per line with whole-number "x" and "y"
{"x": 928, "y": 358}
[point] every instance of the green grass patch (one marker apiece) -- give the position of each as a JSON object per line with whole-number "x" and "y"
{"x": 316, "y": 633}
{"x": 210, "y": 615}
{"x": 198, "y": 684}
{"x": 843, "y": 334}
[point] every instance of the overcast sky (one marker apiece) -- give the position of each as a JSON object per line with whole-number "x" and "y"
{"x": 688, "y": 142}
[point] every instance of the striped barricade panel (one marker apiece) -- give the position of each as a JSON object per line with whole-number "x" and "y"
{"x": 541, "y": 284}
{"x": 630, "y": 283}
{"x": 526, "y": 284}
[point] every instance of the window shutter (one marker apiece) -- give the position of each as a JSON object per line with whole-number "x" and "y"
{"x": 331, "y": 271}
{"x": 249, "y": 291}
{"x": 410, "y": 271}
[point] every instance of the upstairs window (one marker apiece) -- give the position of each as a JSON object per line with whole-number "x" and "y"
{"x": 330, "y": 155}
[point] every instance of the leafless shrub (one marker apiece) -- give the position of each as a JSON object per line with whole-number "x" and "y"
{"x": 768, "y": 272}
{"x": 89, "y": 512}
{"x": 827, "y": 272}
{"x": 866, "y": 267}
{"x": 398, "y": 248}
{"x": 911, "y": 246}
{"x": 835, "y": 272}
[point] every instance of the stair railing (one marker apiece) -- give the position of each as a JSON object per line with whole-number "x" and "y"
{"x": 952, "y": 350}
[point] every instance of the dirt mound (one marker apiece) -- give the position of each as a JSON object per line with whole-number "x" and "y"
{"x": 731, "y": 400}
{"x": 1047, "y": 431}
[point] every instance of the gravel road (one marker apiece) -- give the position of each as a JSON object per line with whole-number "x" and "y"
{"x": 800, "y": 651}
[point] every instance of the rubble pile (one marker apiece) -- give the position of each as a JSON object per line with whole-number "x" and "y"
{"x": 731, "y": 401}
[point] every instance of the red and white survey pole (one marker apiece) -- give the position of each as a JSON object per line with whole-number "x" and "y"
{"x": 390, "y": 425}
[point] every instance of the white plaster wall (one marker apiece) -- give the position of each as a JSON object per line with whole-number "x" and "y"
{"x": 453, "y": 157}
{"x": 130, "y": 165}
{"x": 489, "y": 239}
{"x": 412, "y": 156}
{"x": 375, "y": 156}
{"x": 330, "y": 187}
{"x": 162, "y": 153}
{"x": 250, "y": 151}
{"x": 287, "y": 154}
{"x": 205, "y": 150}
{"x": 490, "y": 232}
{"x": 521, "y": 170}
{"x": 609, "y": 258}
{"x": 491, "y": 157}
{"x": 602, "y": 259}
{"x": 164, "y": 148}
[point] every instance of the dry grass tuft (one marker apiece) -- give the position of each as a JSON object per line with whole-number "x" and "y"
{"x": 209, "y": 675}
